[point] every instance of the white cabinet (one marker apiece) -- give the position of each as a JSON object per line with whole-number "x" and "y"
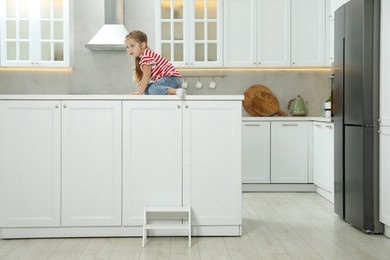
{"x": 265, "y": 28}
{"x": 88, "y": 167}
{"x": 276, "y": 32}
{"x": 275, "y": 152}
{"x": 34, "y": 33}
{"x": 308, "y": 32}
{"x": 91, "y": 163}
{"x": 289, "y": 152}
{"x": 212, "y": 162}
{"x": 385, "y": 65}
{"x": 181, "y": 153}
{"x": 30, "y": 163}
{"x": 385, "y": 118}
{"x": 152, "y": 152}
{"x": 256, "y": 152}
{"x": 323, "y": 150}
{"x": 189, "y": 33}
{"x": 384, "y": 175}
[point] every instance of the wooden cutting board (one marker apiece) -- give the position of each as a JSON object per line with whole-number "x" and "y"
{"x": 256, "y": 90}
{"x": 267, "y": 105}
{"x": 259, "y": 101}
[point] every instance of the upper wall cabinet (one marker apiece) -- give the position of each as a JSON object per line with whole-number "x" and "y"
{"x": 274, "y": 33}
{"x": 34, "y": 33}
{"x": 261, "y": 37}
{"x": 308, "y": 32}
{"x": 189, "y": 33}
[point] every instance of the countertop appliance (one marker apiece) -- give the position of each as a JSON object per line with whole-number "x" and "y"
{"x": 356, "y": 113}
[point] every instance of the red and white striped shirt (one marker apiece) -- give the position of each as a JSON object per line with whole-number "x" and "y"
{"x": 161, "y": 67}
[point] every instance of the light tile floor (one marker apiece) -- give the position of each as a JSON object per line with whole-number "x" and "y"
{"x": 275, "y": 226}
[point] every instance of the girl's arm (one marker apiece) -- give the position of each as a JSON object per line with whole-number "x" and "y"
{"x": 147, "y": 72}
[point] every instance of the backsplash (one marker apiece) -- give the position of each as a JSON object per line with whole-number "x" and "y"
{"x": 313, "y": 85}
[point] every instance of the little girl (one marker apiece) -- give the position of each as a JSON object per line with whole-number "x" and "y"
{"x": 154, "y": 74}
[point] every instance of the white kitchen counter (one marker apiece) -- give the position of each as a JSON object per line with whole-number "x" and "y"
{"x": 121, "y": 97}
{"x": 287, "y": 118}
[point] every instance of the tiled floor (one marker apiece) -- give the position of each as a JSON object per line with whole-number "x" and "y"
{"x": 276, "y": 226}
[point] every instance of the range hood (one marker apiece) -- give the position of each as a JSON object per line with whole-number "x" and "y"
{"x": 113, "y": 32}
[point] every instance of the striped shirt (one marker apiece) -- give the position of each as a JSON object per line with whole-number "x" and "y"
{"x": 161, "y": 67}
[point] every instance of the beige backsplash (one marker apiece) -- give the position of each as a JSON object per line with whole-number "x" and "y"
{"x": 313, "y": 85}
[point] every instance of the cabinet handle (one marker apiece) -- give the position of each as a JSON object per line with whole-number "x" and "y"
{"x": 317, "y": 125}
{"x": 329, "y": 126}
{"x": 252, "y": 124}
{"x": 186, "y": 106}
{"x": 64, "y": 106}
{"x": 178, "y": 106}
{"x": 289, "y": 124}
{"x": 56, "y": 106}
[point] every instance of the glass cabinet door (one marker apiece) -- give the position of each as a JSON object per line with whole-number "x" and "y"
{"x": 16, "y": 28}
{"x": 189, "y": 32}
{"x": 172, "y": 31}
{"x": 206, "y": 43}
{"x": 35, "y": 33}
{"x": 52, "y": 31}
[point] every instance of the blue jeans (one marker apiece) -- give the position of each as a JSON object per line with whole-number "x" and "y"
{"x": 161, "y": 87}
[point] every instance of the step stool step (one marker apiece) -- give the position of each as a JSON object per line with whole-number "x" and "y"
{"x": 168, "y": 212}
{"x": 166, "y": 226}
{"x": 167, "y": 209}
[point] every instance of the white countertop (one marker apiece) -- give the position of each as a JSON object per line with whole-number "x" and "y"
{"x": 121, "y": 97}
{"x": 287, "y": 118}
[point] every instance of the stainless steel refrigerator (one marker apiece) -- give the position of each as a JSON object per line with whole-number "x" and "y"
{"x": 356, "y": 113}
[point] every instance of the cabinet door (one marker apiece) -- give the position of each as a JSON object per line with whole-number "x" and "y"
{"x": 256, "y": 143}
{"x": 189, "y": 33}
{"x": 384, "y": 176}
{"x": 289, "y": 152}
{"x": 206, "y": 33}
{"x": 152, "y": 157}
{"x": 323, "y": 156}
{"x": 34, "y": 33}
{"x": 29, "y": 163}
{"x": 172, "y": 31}
{"x": 212, "y": 161}
{"x": 308, "y": 32}
{"x": 239, "y": 28}
{"x": 385, "y": 64}
{"x": 273, "y": 32}
{"x": 91, "y": 166}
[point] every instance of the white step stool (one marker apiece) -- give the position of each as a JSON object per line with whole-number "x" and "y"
{"x": 166, "y": 213}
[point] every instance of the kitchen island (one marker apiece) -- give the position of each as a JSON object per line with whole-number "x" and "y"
{"x": 86, "y": 165}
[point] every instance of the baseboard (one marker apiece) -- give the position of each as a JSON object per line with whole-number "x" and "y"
{"x": 136, "y": 231}
{"x": 325, "y": 194}
{"x": 272, "y": 187}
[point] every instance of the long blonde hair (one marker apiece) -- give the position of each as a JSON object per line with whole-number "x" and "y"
{"x": 139, "y": 37}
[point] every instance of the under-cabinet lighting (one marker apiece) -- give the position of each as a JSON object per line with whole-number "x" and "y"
{"x": 325, "y": 69}
{"x": 58, "y": 70}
